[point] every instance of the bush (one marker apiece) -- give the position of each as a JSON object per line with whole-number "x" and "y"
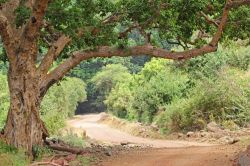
{"x": 61, "y": 101}
{"x": 3, "y": 68}
{"x": 142, "y": 96}
{"x": 226, "y": 99}
{"x": 107, "y": 79}
{"x": 4, "y": 99}
{"x": 72, "y": 140}
{"x": 208, "y": 65}
{"x": 119, "y": 100}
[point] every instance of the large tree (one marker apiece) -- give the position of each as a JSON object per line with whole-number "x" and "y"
{"x": 35, "y": 33}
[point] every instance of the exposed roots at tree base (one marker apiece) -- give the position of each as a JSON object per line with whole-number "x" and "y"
{"x": 61, "y": 146}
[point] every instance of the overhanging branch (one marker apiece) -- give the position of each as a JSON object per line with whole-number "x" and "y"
{"x": 209, "y": 20}
{"x": 53, "y": 53}
{"x": 238, "y": 3}
{"x": 106, "y": 51}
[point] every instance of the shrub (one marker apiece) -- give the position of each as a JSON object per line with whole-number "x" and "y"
{"x": 61, "y": 101}
{"x": 120, "y": 98}
{"x": 107, "y": 78}
{"x": 142, "y": 96}
{"x": 226, "y": 99}
{"x": 4, "y": 99}
{"x": 208, "y": 65}
{"x": 72, "y": 140}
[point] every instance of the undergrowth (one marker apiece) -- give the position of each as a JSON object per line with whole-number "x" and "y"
{"x": 10, "y": 156}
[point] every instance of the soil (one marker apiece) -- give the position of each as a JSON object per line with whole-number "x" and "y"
{"x": 188, "y": 156}
{"x": 101, "y": 132}
{"x": 160, "y": 153}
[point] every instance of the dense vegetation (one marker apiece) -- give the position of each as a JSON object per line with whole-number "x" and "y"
{"x": 182, "y": 95}
{"x": 58, "y": 105}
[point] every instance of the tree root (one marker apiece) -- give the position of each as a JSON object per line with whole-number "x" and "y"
{"x": 60, "y": 146}
{"x": 44, "y": 163}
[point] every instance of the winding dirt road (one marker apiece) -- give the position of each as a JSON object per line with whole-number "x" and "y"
{"x": 104, "y": 133}
{"x": 164, "y": 153}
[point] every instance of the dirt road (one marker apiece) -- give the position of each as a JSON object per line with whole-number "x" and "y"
{"x": 164, "y": 153}
{"x": 189, "y": 156}
{"x": 104, "y": 133}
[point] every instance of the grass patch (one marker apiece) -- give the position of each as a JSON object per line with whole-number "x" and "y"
{"x": 245, "y": 141}
{"x": 82, "y": 160}
{"x": 72, "y": 140}
{"x": 41, "y": 152}
{"x": 132, "y": 128}
{"x": 12, "y": 156}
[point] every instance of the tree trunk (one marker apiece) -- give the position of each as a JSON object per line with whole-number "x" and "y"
{"x": 24, "y": 128}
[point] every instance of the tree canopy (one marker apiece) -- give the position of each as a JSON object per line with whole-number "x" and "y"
{"x": 84, "y": 29}
{"x": 35, "y": 33}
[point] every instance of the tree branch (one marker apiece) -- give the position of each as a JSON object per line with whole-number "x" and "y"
{"x": 215, "y": 40}
{"x": 238, "y": 3}
{"x": 209, "y": 20}
{"x": 128, "y": 30}
{"x": 106, "y": 51}
{"x": 53, "y": 53}
{"x": 112, "y": 18}
{"x": 6, "y": 34}
{"x": 141, "y": 27}
{"x": 8, "y": 9}
{"x": 32, "y": 28}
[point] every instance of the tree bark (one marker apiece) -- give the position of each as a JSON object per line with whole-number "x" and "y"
{"x": 24, "y": 128}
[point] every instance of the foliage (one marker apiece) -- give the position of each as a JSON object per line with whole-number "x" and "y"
{"x": 87, "y": 69}
{"x": 141, "y": 97}
{"x": 3, "y": 68}
{"x": 4, "y": 99}
{"x": 72, "y": 140}
{"x": 106, "y": 79}
{"x": 226, "y": 99}
{"x": 188, "y": 95}
{"x": 208, "y": 66}
{"x": 159, "y": 84}
{"x": 61, "y": 101}
{"x": 239, "y": 57}
{"x": 2, "y": 1}
{"x": 22, "y": 15}
{"x": 174, "y": 21}
{"x": 118, "y": 101}
{"x": 3, "y": 55}
{"x": 41, "y": 151}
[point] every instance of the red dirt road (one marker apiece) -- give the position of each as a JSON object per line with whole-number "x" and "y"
{"x": 172, "y": 153}
{"x": 189, "y": 156}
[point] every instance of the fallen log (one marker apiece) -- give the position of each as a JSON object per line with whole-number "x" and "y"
{"x": 65, "y": 148}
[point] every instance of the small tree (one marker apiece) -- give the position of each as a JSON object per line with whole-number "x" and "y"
{"x": 36, "y": 32}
